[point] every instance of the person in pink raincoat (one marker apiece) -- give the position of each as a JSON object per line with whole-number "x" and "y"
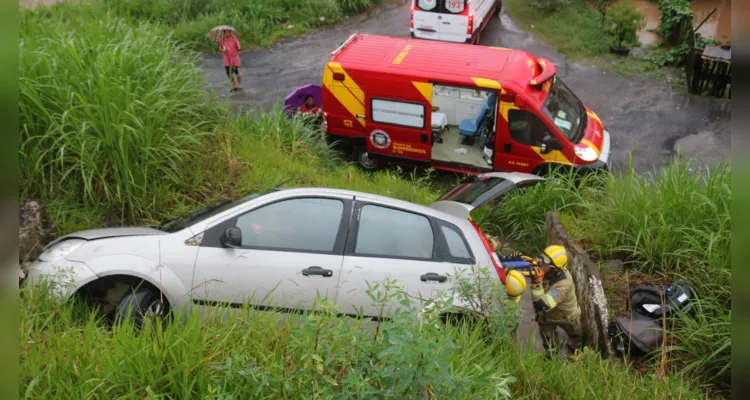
{"x": 230, "y": 46}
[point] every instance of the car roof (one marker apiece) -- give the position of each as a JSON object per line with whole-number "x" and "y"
{"x": 415, "y": 58}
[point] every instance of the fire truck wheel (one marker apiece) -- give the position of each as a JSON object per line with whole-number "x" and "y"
{"x": 365, "y": 161}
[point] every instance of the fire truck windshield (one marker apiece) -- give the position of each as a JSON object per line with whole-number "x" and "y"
{"x": 565, "y": 110}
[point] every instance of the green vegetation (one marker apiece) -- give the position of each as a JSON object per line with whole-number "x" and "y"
{"x": 260, "y": 23}
{"x": 675, "y": 223}
{"x": 246, "y": 354}
{"x": 575, "y": 29}
{"x": 623, "y": 22}
{"x": 119, "y": 127}
{"x": 673, "y": 15}
{"x": 581, "y": 31}
{"x": 110, "y": 130}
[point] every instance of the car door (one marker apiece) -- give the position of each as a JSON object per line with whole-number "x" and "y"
{"x": 426, "y": 23}
{"x": 291, "y": 252}
{"x": 522, "y": 141}
{"x": 390, "y": 242}
{"x": 398, "y": 128}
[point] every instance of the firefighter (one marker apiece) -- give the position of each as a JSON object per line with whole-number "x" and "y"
{"x": 554, "y": 298}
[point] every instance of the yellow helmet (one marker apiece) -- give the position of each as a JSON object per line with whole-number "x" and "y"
{"x": 515, "y": 283}
{"x": 556, "y": 256}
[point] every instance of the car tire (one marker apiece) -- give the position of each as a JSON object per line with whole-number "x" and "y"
{"x": 365, "y": 161}
{"x": 141, "y": 303}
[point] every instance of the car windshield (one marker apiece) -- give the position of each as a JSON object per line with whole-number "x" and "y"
{"x": 565, "y": 110}
{"x": 183, "y": 222}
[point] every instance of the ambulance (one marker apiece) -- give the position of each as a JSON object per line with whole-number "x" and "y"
{"x": 460, "y": 21}
{"x": 467, "y": 109}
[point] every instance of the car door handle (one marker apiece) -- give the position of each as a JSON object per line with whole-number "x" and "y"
{"x": 431, "y": 276}
{"x": 327, "y": 273}
{"x": 446, "y": 23}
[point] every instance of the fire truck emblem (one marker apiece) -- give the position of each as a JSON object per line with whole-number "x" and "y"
{"x": 380, "y": 139}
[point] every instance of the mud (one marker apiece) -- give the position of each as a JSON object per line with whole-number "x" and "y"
{"x": 642, "y": 114}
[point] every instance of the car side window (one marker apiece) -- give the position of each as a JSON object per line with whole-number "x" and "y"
{"x": 393, "y": 233}
{"x": 456, "y": 243}
{"x": 301, "y": 224}
{"x": 526, "y": 128}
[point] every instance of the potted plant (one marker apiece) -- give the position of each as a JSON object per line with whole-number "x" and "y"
{"x": 623, "y": 23}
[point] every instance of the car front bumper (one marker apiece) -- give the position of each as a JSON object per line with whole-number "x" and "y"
{"x": 64, "y": 276}
{"x": 605, "y": 160}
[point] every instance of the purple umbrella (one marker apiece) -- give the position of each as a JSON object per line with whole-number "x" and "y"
{"x": 297, "y": 98}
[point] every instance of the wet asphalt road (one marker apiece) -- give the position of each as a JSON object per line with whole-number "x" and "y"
{"x": 646, "y": 117}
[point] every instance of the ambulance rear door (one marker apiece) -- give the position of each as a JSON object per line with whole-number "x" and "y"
{"x": 454, "y": 22}
{"x": 398, "y": 128}
{"x": 426, "y": 19}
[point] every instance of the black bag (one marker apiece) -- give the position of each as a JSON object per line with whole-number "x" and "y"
{"x": 641, "y": 332}
{"x": 656, "y": 303}
{"x": 636, "y": 336}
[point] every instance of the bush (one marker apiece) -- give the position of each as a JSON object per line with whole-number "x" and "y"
{"x": 623, "y": 23}
{"x": 672, "y": 15}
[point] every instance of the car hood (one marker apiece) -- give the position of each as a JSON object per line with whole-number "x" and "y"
{"x": 103, "y": 233}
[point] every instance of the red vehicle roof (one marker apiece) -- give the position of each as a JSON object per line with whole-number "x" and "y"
{"x": 440, "y": 61}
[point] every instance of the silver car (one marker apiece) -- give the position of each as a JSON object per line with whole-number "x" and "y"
{"x": 280, "y": 250}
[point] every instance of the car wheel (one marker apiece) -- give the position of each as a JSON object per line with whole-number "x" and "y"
{"x": 141, "y": 303}
{"x": 365, "y": 161}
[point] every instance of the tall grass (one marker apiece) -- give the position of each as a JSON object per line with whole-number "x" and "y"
{"x": 116, "y": 126}
{"x": 260, "y": 23}
{"x": 111, "y": 114}
{"x": 247, "y": 354}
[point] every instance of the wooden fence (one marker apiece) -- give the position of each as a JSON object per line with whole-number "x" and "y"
{"x": 709, "y": 70}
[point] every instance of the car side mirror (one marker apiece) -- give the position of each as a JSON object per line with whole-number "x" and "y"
{"x": 548, "y": 144}
{"x": 231, "y": 238}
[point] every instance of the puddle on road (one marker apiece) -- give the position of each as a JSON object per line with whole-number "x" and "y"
{"x": 717, "y": 27}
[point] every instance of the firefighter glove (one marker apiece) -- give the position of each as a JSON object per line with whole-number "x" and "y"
{"x": 537, "y": 275}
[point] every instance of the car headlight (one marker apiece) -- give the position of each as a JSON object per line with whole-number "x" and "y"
{"x": 61, "y": 249}
{"x": 586, "y": 154}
